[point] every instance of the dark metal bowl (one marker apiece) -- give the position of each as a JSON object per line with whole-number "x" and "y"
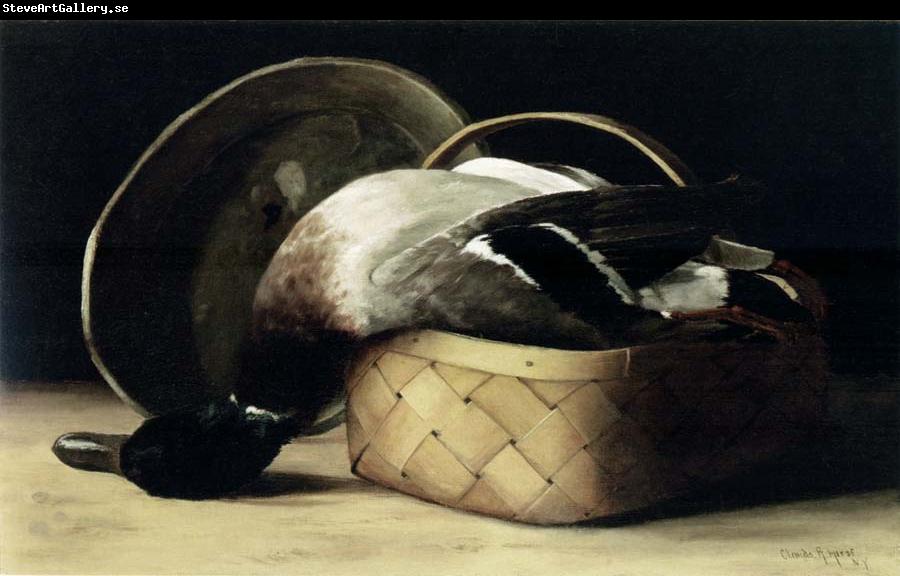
{"x": 172, "y": 264}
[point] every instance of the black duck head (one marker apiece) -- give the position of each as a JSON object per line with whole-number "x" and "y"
{"x": 203, "y": 453}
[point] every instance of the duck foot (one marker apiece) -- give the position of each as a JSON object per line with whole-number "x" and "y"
{"x": 735, "y": 315}
{"x": 787, "y": 267}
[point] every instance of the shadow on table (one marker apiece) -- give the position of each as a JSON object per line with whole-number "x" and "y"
{"x": 859, "y": 452}
{"x": 284, "y": 483}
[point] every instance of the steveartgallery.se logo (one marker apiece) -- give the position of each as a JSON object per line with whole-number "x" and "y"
{"x": 64, "y": 8}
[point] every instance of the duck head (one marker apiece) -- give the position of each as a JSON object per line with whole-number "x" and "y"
{"x": 194, "y": 454}
{"x": 211, "y": 450}
{"x": 203, "y": 453}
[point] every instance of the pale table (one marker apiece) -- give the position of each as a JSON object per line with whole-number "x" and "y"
{"x": 310, "y": 515}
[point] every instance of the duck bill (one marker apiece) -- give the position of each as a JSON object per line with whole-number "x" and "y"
{"x": 90, "y": 451}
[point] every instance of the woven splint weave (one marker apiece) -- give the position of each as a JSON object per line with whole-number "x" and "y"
{"x": 551, "y": 437}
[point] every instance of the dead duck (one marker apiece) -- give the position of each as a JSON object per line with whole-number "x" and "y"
{"x": 488, "y": 250}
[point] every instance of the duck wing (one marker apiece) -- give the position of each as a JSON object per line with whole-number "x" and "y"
{"x": 642, "y": 232}
{"x": 569, "y": 258}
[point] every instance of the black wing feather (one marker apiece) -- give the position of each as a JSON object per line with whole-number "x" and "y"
{"x": 642, "y": 232}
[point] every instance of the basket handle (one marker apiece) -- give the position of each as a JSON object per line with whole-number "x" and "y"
{"x": 673, "y": 167}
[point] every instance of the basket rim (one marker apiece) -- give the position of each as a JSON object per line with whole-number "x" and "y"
{"x": 507, "y": 358}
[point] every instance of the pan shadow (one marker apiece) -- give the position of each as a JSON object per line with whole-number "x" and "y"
{"x": 858, "y": 451}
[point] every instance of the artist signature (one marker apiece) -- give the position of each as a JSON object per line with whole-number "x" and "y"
{"x": 848, "y": 558}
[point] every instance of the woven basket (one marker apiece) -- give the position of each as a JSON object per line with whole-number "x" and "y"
{"x": 553, "y": 436}
{"x": 550, "y": 436}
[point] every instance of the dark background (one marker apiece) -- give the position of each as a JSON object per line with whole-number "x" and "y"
{"x": 809, "y": 109}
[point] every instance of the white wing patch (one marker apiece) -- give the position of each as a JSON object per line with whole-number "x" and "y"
{"x": 691, "y": 287}
{"x": 729, "y": 254}
{"x": 480, "y": 247}
{"x": 614, "y": 279}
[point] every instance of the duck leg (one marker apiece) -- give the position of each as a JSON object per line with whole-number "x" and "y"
{"x": 735, "y": 315}
{"x": 788, "y": 268}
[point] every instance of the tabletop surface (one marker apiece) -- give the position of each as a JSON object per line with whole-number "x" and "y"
{"x": 310, "y": 515}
